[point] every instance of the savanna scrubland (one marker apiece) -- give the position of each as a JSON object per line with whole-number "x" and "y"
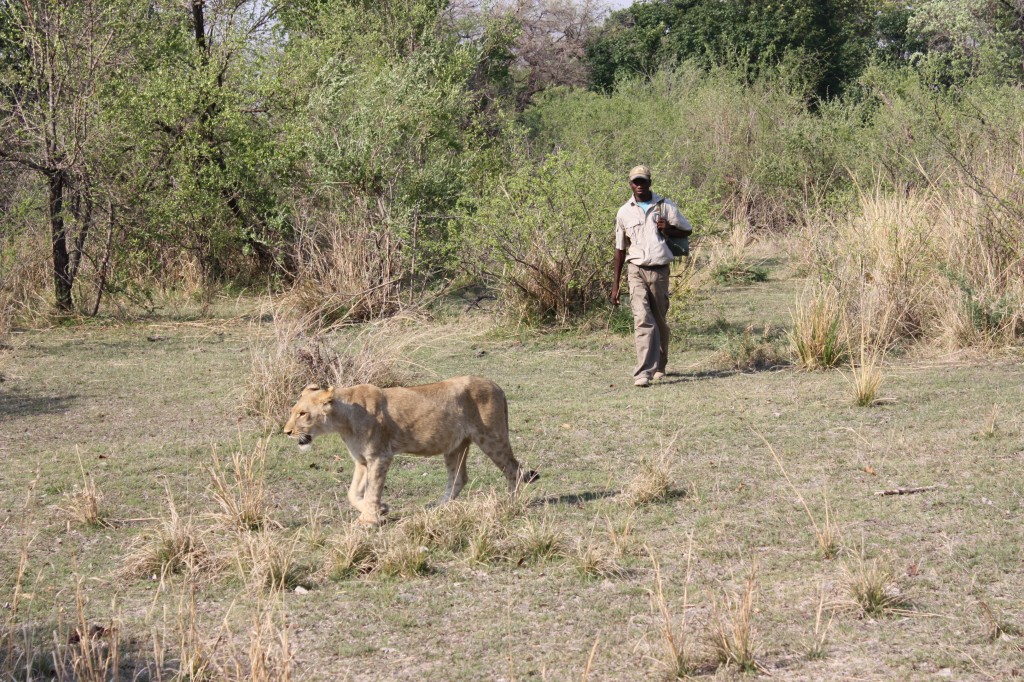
{"x": 207, "y": 205}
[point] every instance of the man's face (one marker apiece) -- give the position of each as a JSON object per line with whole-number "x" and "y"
{"x": 641, "y": 188}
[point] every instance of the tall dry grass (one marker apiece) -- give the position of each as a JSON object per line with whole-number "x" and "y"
{"x": 239, "y": 487}
{"x": 175, "y": 544}
{"x": 349, "y": 263}
{"x": 653, "y": 476}
{"x": 289, "y": 352}
{"x": 83, "y": 504}
{"x": 26, "y": 278}
{"x": 186, "y": 648}
{"x": 873, "y": 586}
{"x": 264, "y": 654}
{"x": 826, "y": 533}
{"x": 941, "y": 265}
{"x": 267, "y": 561}
{"x": 818, "y": 335}
{"x": 733, "y": 638}
{"x": 677, "y": 653}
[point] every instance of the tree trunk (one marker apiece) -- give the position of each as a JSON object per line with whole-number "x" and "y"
{"x": 61, "y": 261}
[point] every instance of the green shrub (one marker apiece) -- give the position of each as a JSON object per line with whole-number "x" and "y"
{"x": 543, "y": 235}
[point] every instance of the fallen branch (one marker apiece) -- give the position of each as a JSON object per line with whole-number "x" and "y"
{"x": 906, "y": 491}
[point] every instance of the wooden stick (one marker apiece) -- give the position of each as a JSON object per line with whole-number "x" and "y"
{"x": 906, "y": 491}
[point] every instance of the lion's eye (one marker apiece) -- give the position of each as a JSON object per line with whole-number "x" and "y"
{"x": 302, "y": 414}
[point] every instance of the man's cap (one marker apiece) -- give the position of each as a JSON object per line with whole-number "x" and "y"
{"x": 639, "y": 172}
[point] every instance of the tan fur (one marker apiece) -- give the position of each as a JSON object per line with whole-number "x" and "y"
{"x": 436, "y": 419}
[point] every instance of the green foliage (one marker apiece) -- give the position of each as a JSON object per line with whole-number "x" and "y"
{"x": 203, "y": 162}
{"x": 962, "y": 39}
{"x": 830, "y": 40}
{"x": 988, "y": 315}
{"x": 542, "y": 233}
{"x": 715, "y": 145}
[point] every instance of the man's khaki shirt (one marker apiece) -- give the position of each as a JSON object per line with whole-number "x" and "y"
{"x": 647, "y": 246}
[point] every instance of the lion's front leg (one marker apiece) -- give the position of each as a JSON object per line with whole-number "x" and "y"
{"x": 358, "y": 487}
{"x": 370, "y": 505}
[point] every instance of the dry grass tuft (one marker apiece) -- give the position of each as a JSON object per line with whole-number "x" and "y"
{"x": 397, "y": 557}
{"x": 817, "y": 646}
{"x": 620, "y": 534}
{"x": 866, "y": 375}
{"x": 593, "y": 560}
{"x": 990, "y": 428}
{"x": 267, "y": 656}
{"x": 827, "y": 535}
{"x": 267, "y": 561}
{"x": 351, "y": 554}
{"x": 654, "y": 477}
{"x": 175, "y": 545}
{"x": 537, "y": 542}
{"x": 447, "y": 527}
{"x": 93, "y": 652}
{"x": 866, "y": 380}
{"x": 486, "y": 543}
{"x": 817, "y": 332}
{"x": 195, "y": 652}
{"x": 313, "y": 532}
{"x": 677, "y": 654}
{"x": 241, "y": 491}
{"x": 873, "y": 586}
{"x": 82, "y": 505}
{"x": 303, "y": 350}
{"x": 733, "y": 639}
{"x": 752, "y": 351}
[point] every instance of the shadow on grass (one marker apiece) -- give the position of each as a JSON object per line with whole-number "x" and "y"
{"x": 18, "y": 403}
{"x": 708, "y": 374}
{"x": 579, "y": 499}
{"x": 575, "y": 499}
{"x": 46, "y": 651}
{"x": 702, "y": 375}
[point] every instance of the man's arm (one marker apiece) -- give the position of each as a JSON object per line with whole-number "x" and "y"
{"x": 620, "y": 258}
{"x": 675, "y": 225}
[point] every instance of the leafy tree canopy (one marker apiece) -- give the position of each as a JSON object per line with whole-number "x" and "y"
{"x": 831, "y": 40}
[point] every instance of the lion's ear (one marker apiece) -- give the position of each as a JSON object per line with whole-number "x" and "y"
{"x": 311, "y": 387}
{"x": 325, "y": 396}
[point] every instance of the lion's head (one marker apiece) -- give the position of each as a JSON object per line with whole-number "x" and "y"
{"x": 309, "y": 414}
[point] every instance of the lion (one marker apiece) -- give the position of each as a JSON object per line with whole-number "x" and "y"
{"x": 435, "y": 419}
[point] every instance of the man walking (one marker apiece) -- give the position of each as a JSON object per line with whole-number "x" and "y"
{"x": 642, "y": 227}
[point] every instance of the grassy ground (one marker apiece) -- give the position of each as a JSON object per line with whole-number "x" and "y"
{"x": 145, "y": 405}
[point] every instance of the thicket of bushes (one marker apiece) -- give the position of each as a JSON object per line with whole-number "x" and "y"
{"x": 364, "y": 154}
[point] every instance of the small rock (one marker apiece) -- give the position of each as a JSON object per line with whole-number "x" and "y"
{"x": 301, "y": 590}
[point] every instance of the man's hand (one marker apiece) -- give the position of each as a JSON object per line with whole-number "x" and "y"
{"x": 615, "y": 294}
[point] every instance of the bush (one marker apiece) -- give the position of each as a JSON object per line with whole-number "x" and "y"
{"x": 543, "y": 235}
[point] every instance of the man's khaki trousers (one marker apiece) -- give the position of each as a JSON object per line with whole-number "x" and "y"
{"x": 648, "y": 299}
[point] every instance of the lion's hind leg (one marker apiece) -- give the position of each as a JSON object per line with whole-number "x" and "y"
{"x": 500, "y": 452}
{"x": 455, "y": 461}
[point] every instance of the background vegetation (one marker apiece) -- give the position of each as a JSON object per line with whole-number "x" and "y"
{"x": 370, "y": 153}
{"x": 396, "y": 176}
